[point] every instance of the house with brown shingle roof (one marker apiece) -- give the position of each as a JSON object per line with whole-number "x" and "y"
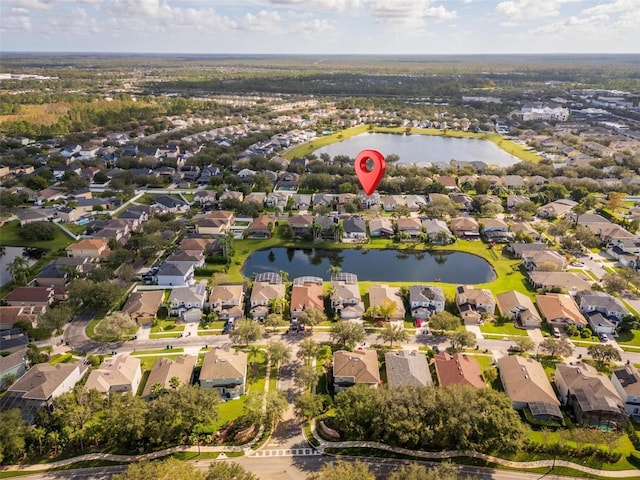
{"x": 12, "y": 314}
{"x": 41, "y": 384}
{"x": 143, "y": 306}
{"x": 465, "y": 227}
{"x": 164, "y": 369}
{"x": 95, "y": 248}
{"x": 590, "y": 396}
{"x": 301, "y": 224}
{"x": 261, "y": 227}
{"x": 538, "y": 259}
{"x": 519, "y": 307}
{"x": 121, "y": 373}
{"x": 358, "y": 367}
{"x": 225, "y": 371}
{"x": 560, "y": 310}
{"x": 474, "y": 303}
{"x": 227, "y": 301}
{"x": 30, "y": 296}
{"x": 263, "y": 292}
{"x": 381, "y": 294}
{"x": 564, "y": 280}
{"x": 407, "y": 368}
{"x": 458, "y": 369}
{"x": 525, "y": 383}
{"x": 411, "y": 226}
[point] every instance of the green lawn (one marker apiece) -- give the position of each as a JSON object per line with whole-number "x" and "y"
{"x": 146, "y": 362}
{"x": 632, "y": 338}
{"x": 505, "y": 329}
{"x": 166, "y": 326}
{"x": 75, "y": 228}
{"x": 10, "y": 237}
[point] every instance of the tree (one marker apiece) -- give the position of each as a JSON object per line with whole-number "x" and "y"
{"x": 440, "y": 208}
{"x": 387, "y": 308}
{"x": 246, "y": 331}
{"x": 442, "y": 471}
{"x": 276, "y": 405}
{"x": 613, "y": 283}
{"x": 308, "y": 349}
{"x": 156, "y": 389}
{"x": 306, "y": 376}
{"x": 604, "y": 353}
{"x": 311, "y": 317}
{"x": 482, "y": 186}
{"x": 525, "y": 344}
{"x": 228, "y": 471}
{"x": 556, "y": 347}
{"x": 461, "y": 338}
{"x": 13, "y": 431}
{"x": 347, "y": 334}
{"x": 175, "y": 382}
{"x": 393, "y": 333}
{"x": 560, "y": 227}
{"x": 90, "y": 294}
{"x": 116, "y": 325}
{"x": 444, "y": 321}
{"x": 169, "y": 469}
{"x": 343, "y": 471}
{"x": 490, "y": 375}
{"x": 273, "y": 321}
{"x": 56, "y": 317}
{"x": 278, "y": 352}
{"x": 19, "y": 270}
{"x": 38, "y": 231}
{"x": 525, "y": 211}
{"x": 615, "y": 201}
{"x": 308, "y": 406}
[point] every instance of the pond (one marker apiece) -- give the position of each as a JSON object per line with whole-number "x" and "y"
{"x": 7, "y": 255}
{"x": 423, "y": 148}
{"x": 374, "y": 265}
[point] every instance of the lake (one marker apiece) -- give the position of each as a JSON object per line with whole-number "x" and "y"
{"x": 423, "y": 148}
{"x": 374, "y": 265}
{"x": 10, "y": 253}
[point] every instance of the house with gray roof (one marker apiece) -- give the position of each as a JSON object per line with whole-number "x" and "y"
{"x": 407, "y": 368}
{"x": 225, "y": 371}
{"x": 604, "y": 303}
{"x": 121, "y": 373}
{"x": 175, "y": 275}
{"x": 13, "y": 365}
{"x": 425, "y": 300}
{"x": 188, "y": 302}
{"x": 164, "y": 369}
{"x": 345, "y": 296}
{"x": 437, "y": 231}
{"x": 626, "y": 381}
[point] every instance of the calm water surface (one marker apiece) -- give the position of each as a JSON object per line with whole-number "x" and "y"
{"x": 375, "y": 265}
{"x": 423, "y": 148}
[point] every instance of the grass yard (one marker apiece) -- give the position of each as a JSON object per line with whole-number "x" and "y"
{"x": 166, "y": 326}
{"x": 505, "y": 329}
{"x": 146, "y": 362}
{"x": 10, "y": 237}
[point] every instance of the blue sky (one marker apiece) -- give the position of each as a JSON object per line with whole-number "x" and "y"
{"x": 322, "y": 26}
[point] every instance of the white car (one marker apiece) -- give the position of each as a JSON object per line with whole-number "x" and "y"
{"x": 603, "y": 337}
{"x": 577, "y": 264}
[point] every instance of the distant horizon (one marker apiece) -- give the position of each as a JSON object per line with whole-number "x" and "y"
{"x": 321, "y": 27}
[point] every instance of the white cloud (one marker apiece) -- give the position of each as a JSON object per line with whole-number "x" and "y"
{"x": 329, "y": 5}
{"x": 260, "y": 22}
{"x": 32, "y": 4}
{"x": 312, "y": 27}
{"x": 440, "y": 13}
{"x": 617, "y": 6}
{"x": 411, "y": 12}
{"x": 77, "y": 22}
{"x": 531, "y": 9}
{"x": 15, "y": 23}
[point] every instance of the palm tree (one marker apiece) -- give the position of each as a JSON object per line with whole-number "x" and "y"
{"x": 335, "y": 269}
{"x": 156, "y": 389}
{"x": 175, "y": 382}
{"x": 338, "y": 231}
{"x": 18, "y": 269}
{"x": 316, "y": 231}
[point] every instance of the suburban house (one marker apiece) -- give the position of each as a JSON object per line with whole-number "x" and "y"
{"x": 266, "y": 288}
{"x": 30, "y": 296}
{"x": 14, "y": 364}
{"x": 95, "y": 248}
{"x": 525, "y": 383}
{"x": 495, "y": 230}
{"x": 261, "y": 227}
{"x": 188, "y": 302}
{"x": 216, "y": 223}
{"x": 306, "y": 293}
{"x": 225, "y": 371}
{"x": 548, "y": 260}
{"x": 425, "y": 300}
{"x": 358, "y": 367}
{"x": 301, "y": 224}
{"x": 381, "y": 227}
{"x": 590, "y": 396}
{"x": 474, "y": 304}
{"x": 564, "y": 280}
{"x": 410, "y": 226}
{"x": 626, "y": 381}
{"x": 10, "y": 315}
{"x": 526, "y": 229}
{"x": 355, "y": 228}
{"x": 556, "y": 209}
{"x": 465, "y": 227}
{"x": 165, "y": 369}
{"x": 120, "y": 373}
{"x": 52, "y": 275}
{"x": 560, "y": 310}
{"x": 380, "y": 295}
{"x": 186, "y": 259}
{"x": 518, "y": 249}
{"x": 328, "y": 225}
{"x": 165, "y": 203}
{"x": 458, "y": 369}
{"x": 407, "y": 368}
{"x": 608, "y": 305}
{"x": 345, "y": 296}
{"x": 143, "y": 306}
{"x": 437, "y": 231}
{"x": 41, "y": 384}
{"x": 227, "y": 301}
{"x": 519, "y": 307}
{"x": 175, "y": 275}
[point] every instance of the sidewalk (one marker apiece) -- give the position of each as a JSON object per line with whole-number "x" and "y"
{"x": 323, "y": 445}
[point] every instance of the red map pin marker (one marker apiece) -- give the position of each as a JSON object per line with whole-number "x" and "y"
{"x": 370, "y": 167}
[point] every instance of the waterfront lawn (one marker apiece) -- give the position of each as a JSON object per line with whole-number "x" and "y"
{"x": 10, "y": 237}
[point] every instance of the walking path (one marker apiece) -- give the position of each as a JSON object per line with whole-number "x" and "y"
{"x": 323, "y": 445}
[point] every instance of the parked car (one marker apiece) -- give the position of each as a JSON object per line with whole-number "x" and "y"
{"x": 556, "y": 332}
{"x": 514, "y": 349}
{"x": 603, "y": 337}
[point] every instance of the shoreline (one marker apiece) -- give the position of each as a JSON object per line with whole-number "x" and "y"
{"x": 506, "y": 145}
